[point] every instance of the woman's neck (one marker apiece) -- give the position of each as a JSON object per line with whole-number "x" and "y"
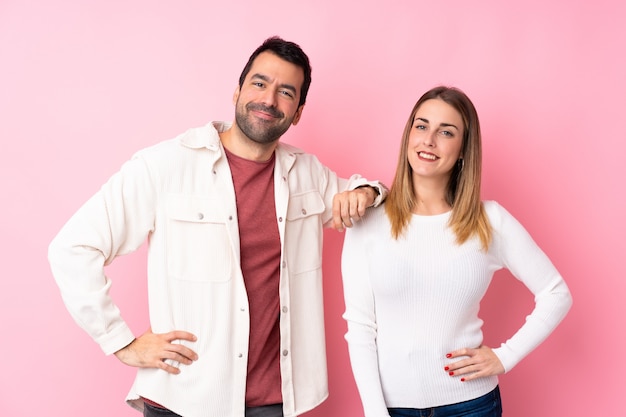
{"x": 430, "y": 199}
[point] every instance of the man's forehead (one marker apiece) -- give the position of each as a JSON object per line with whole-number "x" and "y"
{"x": 269, "y": 64}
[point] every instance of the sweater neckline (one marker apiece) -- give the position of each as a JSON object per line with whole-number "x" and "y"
{"x": 432, "y": 217}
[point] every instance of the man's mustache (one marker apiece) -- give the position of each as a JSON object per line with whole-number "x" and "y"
{"x": 272, "y": 111}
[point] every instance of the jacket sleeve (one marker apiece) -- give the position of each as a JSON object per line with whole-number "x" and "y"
{"x": 528, "y": 263}
{"x": 115, "y": 221}
{"x": 333, "y": 185}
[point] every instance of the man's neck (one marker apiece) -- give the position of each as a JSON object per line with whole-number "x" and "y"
{"x": 237, "y": 143}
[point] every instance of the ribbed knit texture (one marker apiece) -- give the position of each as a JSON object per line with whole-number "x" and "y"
{"x": 412, "y": 300}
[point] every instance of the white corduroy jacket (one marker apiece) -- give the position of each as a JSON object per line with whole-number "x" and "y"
{"x": 179, "y": 195}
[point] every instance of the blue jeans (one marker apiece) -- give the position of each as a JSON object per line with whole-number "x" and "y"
{"x": 489, "y": 405}
{"x": 275, "y": 410}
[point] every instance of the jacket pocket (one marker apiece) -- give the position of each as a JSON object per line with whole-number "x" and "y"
{"x": 198, "y": 244}
{"x": 304, "y": 231}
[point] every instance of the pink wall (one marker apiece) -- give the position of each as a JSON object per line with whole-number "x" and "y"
{"x": 84, "y": 86}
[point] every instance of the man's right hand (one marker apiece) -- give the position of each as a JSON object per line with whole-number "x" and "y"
{"x": 150, "y": 350}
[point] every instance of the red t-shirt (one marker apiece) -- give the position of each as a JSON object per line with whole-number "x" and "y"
{"x": 260, "y": 264}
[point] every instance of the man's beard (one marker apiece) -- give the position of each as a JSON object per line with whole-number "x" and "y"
{"x": 261, "y": 131}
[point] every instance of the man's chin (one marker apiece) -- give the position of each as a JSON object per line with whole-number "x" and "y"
{"x": 262, "y": 131}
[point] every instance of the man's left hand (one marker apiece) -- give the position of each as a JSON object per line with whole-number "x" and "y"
{"x": 349, "y": 206}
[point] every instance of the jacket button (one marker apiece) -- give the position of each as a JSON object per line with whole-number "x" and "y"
{"x": 285, "y": 352}
{"x": 200, "y": 216}
{"x": 304, "y": 211}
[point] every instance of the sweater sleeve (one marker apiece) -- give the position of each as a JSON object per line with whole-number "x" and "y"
{"x": 360, "y": 316}
{"x": 527, "y": 262}
{"x": 115, "y": 221}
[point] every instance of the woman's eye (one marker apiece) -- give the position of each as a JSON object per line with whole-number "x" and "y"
{"x": 446, "y": 133}
{"x": 420, "y": 127}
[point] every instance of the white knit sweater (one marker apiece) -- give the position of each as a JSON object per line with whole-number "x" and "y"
{"x": 412, "y": 300}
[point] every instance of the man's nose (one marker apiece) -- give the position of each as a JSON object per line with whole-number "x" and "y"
{"x": 269, "y": 97}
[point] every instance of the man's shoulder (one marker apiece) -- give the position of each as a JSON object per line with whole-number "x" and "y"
{"x": 287, "y": 148}
{"x": 206, "y": 136}
{"x": 290, "y": 154}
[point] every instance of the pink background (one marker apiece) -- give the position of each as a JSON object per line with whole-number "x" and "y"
{"x": 83, "y": 86}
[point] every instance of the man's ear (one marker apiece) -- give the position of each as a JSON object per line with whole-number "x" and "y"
{"x": 296, "y": 117}
{"x": 236, "y": 94}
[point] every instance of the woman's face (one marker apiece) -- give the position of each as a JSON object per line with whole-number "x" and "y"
{"x": 435, "y": 141}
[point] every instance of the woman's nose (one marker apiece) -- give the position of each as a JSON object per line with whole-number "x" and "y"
{"x": 429, "y": 140}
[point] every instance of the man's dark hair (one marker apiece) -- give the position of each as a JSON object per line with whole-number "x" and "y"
{"x": 288, "y": 51}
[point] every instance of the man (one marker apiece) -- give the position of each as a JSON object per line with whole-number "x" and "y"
{"x": 234, "y": 222}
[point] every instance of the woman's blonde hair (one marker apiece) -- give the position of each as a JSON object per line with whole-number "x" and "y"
{"x": 468, "y": 216}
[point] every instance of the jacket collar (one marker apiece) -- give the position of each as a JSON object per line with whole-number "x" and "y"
{"x": 208, "y": 137}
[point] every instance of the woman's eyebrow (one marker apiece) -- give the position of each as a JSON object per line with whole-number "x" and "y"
{"x": 449, "y": 125}
{"x": 440, "y": 125}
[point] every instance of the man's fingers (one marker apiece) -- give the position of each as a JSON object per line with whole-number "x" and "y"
{"x": 186, "y": 358}
{"x": 152, "y": 350}
{"x": 183, "y": 352}
{"x": 167, "y": 367}
{"x": 180, "y": 335}
{"x": 350, "y": 206}
{"x": 346, "y": 216}
{"x": 337, "y": 221}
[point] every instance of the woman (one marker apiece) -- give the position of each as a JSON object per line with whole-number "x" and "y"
{"x": 415, "y": 273}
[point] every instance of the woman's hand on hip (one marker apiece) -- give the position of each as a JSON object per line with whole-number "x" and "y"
{"x": 476, "y": 363}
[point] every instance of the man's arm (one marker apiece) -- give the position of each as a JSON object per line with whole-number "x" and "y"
{"x": 115, "y": 221}
{"x": 350, "y": 205}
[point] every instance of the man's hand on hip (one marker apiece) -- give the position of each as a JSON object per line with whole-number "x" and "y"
{"x": 150, "y": 350}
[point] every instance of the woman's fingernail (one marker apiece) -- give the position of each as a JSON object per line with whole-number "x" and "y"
{"x": 447, "y": 368}
{"x": 462, "y": 379}
{"x": 450, "y": 373}
{"x": 448, "y": 355}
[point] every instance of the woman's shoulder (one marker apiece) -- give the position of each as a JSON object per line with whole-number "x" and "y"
{"x": 493, "y": 208}
{"x": 375, "y": 218}
{"x": 498, "y": 215}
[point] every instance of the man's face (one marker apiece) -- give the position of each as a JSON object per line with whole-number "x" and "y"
{"x": 267, "y": 102}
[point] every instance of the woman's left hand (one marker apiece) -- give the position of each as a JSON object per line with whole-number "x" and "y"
{"x": 478, "y": 363}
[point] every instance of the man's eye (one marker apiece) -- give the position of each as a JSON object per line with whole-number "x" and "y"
{"x": 286, "y": 93}
{"x": 257, "y": 84}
